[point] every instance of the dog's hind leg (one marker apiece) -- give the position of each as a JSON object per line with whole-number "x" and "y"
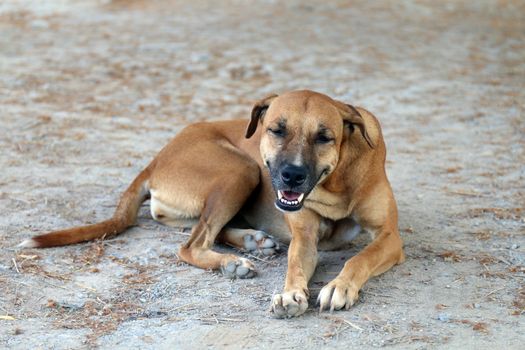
{"x": 202, "y": 175}
{"x": 221, "y": 205}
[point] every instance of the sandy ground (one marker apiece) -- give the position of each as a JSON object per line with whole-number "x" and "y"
{"x": 90, "y": 91}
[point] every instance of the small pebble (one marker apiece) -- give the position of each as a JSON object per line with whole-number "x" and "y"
{"x": 39, "y": 24}
{"x": 443, "y": 317}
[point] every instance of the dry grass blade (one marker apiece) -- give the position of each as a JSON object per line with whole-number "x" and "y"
{"x": 352, "y": 325}
{"x": 16, "y": 265}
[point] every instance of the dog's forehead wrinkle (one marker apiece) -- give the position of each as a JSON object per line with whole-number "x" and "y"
{"x": 281, "y": 122}
{"x": 323, "y": 129}
{"x": 306, "y": 103}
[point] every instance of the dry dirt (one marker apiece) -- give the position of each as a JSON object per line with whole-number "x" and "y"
{"x": 91, "y": 90}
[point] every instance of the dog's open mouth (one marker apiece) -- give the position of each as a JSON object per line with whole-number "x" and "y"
{"x": 289, "y": 200}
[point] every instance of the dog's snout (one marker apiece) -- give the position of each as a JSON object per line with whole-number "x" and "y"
{"x": 293, "y": 175}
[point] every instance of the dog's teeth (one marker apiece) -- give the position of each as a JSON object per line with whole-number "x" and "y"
{"x": 287, "y": 202}
{"x": 283, "y": 200}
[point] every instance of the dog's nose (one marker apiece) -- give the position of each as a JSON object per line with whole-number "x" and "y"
{"x": 293, "y": 175}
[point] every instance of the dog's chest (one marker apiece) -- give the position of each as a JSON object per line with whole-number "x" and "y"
{"x": 326, "y": 226}
{"x": 328, "y": 205}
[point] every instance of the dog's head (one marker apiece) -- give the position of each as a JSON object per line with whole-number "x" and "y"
{"x": 301, "y": 140}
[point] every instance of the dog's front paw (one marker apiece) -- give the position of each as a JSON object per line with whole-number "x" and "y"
{"x": 239, "y": 268}
{"x": 337, "y": 294}
{"x": 289, "y": 304}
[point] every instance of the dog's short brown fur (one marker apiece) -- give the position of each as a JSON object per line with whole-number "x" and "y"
{"x": 319, "y": 161}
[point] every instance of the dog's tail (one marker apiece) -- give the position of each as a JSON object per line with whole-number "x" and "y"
{"x": 124, "y": 217}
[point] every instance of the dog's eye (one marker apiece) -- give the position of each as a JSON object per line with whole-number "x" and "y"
{"x": 323, "y": 138}
{"x": 279, "y": 132}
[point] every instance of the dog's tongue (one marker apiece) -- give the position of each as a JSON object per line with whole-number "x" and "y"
{"x": 291, "y": 196}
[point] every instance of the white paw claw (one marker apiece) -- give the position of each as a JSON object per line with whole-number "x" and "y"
{"x": 337, "y": 295}
{"x": 289, "y": 304}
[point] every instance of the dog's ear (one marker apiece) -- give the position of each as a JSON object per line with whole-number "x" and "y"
{"x": 257, "y": 113}
{"x": 354, "y": 118}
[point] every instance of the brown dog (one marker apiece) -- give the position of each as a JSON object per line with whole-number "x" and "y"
{"x": 324, "y": 180}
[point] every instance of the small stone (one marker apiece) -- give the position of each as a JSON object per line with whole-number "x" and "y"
{"x": 443, "y": 317}
{"x": 39, "y": 24}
